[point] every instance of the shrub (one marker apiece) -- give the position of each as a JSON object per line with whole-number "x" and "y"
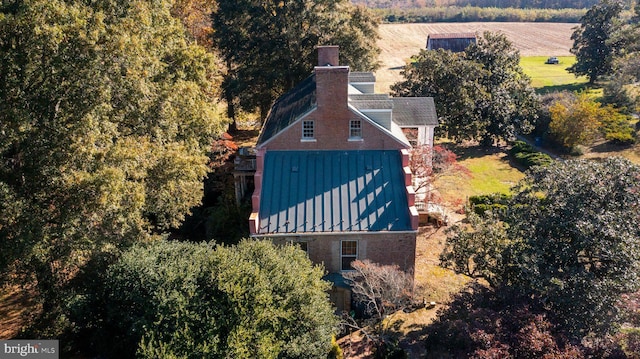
{"x": 617, "y": 128}
{"x": 521, "y": 147}
{"x": 494, "y": 202}
{"x": 533, "y": 159}
{"x": 527, "y": 156}
{"x": 492, "y": 198}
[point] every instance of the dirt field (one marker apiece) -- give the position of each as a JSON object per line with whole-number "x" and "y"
{"x": 399, "y": 42}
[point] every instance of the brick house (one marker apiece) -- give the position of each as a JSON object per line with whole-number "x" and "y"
{"x": 332, "y": 171}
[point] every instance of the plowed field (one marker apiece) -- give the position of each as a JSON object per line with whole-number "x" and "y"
{"x": 400, "y": 41}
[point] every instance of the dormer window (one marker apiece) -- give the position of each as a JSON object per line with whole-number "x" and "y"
{"x": 355, "y": 130}
{"x": 307, "y": 130}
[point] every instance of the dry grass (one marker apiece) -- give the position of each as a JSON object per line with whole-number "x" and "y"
{"x": 398, "y": 42}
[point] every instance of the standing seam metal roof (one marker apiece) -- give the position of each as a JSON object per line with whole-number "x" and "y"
{"x": 289, "y": 107}
{"x": 333, "y": 191}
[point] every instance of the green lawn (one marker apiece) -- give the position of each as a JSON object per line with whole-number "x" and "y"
{"x": 547, "y": 78}
{"x": 490, "y": 171}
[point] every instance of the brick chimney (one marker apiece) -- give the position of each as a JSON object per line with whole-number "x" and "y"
{"x": 332, "y": 81}
{"x": 328, "y": 55}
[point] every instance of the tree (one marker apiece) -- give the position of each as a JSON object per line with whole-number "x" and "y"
{"x": 268, "y": 46}
{"x": 195, "y": 16}
{"x": 382, "y": 290}
{"x": 511, "y": 105}
{"x": 105, "y": 121}
{"x": 480, "y": 94}
{"x": 569, "y": 239}
{"x": 428, "y": 164}
{"x": 254, "y": 300}
{"x": 479, "y": 323}
{"x": 594, "y": 53}
{"x": 576, "y": 123}
{"x": 621, "y": 90}
{"x": 453, "y": 83}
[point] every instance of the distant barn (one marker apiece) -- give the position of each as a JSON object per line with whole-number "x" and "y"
{"x": 455, "y": 42}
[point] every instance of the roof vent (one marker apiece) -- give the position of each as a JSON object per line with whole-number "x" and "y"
{"x": 294, "y": 169}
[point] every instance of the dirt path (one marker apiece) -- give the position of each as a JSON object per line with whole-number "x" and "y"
{"x": 398, "y": 42}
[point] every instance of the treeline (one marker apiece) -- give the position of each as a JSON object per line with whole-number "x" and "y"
{"x": 519, "y": 4}
{"x": 474, "y": 13}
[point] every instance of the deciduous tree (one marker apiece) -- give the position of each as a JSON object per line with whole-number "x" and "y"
{"x": 268, "y": 46}
{"x": 428, "y": 164}
{"x": 575, "y": 123}
{"x": 106, "y": 116}
{"x": 380, "y": 289}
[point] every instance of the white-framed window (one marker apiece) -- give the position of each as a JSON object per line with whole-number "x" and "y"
{"x": 308, "y": 127}
{"x": 355, "y": 129}
{"x": 348, "y": 254}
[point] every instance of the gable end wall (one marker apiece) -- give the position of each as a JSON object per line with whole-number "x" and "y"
{"x": 333, "y": 134}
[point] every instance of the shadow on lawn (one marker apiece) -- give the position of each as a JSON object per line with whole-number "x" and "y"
{"x": 574, "y": 87}
{"x": 609, "y": 146}
{"x": 474, "y": 151}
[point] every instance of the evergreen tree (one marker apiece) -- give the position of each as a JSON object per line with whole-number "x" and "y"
{"x": 253, "y": 300}
{"x": 594, "y": 52}
{"x": 569, "y": 239}
{"x": 480, "y": 94}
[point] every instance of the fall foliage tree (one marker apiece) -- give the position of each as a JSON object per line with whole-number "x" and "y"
{"x": 428, "y": 164}
{"x": 577, "y": 123}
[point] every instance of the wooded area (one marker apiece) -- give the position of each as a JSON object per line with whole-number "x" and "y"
{"x": 519, "y": 4}
{"x": 112, "y": 120}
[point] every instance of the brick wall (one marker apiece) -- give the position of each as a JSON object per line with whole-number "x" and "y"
{"x": 332, "y": 133}
{"x": 385, "y": 248}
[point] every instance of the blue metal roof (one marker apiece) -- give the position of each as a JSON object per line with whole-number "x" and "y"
{"x": 333, "y": 191}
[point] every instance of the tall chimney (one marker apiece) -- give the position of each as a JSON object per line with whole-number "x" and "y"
{"x": 332, "y": 83}
{"x": 328, "y": 55}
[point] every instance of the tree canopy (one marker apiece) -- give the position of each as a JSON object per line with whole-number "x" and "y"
{"x": 591, "y": 43}
{"x": 269, "y": 46}
{"x": 254, "y": 300}
{"x": 622, "y": 89}
{"x": 569, "y": 238}
{"x": 105, "y": 120}
{"x": 480, "y": 94}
